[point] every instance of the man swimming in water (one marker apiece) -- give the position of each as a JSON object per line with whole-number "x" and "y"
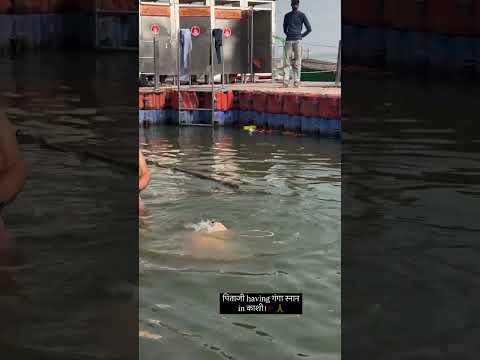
{"x": 143, "y": 178}
{"x": 210, "y": 239}
{"x": 12, "y": 171}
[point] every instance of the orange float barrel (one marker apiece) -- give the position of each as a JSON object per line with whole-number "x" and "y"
{"x": 149, "y": 101}
{"x": 229, "y": 101}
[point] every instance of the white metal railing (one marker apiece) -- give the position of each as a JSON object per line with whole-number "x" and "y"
{"x": 309, "y": 52}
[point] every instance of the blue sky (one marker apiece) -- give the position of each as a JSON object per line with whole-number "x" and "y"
{"x": 325, "y": 18}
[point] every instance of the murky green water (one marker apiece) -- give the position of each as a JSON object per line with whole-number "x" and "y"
{"x": 289, "y": 187}
{"x": 410, "y": 194}
{"x": 62, "y": 298}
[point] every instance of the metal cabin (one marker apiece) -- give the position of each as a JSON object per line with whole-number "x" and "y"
{"x": 246, "y": 29}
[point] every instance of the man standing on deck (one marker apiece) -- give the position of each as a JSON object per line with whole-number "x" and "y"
{"x": 292, "y": 27}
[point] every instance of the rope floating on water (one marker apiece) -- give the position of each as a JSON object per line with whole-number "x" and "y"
{"x": 85, "y": 153}
{"x": 230, "y": 184}
{"x": 125, "y": 164}
{"x": 92, "y": 154}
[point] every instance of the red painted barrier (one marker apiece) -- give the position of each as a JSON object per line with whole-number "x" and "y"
{"x": 221, "y": 101}
{"x": 170, "y": 94}
{"x": 29, "y": 6}
{"x": 329, "y": 107}
{"x": 205, "y": 101}
{"x": 153, "y": 101}
{"x": 291, "y": 105}
{"x": 452, "y": 17}
{"x": 280, "y": 103}
{"x": 161, "y": 98}
{"x": 149, "y": 101}
{"x": 4, "y": 6}
{"x": 260, "y": 102}
{"x": 275, "y": 103}
{"x": 224, "y": 100}
{"x": 366, "y": 12}
{"x": 476, "y": 16}
{"x": 406, "y": 14}
{"x": 309, "y": 105}
{"x": 245, "y": 100}
{"x": 230, "y": 101}
{"x": 338, "y": 114}
{"x": 218, "y": 102}
{"x": 188, "y": 100}
{"x": 174, "y": 100}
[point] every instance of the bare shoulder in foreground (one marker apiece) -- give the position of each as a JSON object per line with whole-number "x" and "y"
{"x": 12, "y": 166}
{"x": 12, "y": 178}
{"x": 143, "y": 172}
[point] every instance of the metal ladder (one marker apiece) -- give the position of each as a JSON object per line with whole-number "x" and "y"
{"x": 180, "y": 121}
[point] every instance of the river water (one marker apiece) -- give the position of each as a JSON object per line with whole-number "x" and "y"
{"x": 285, "y": 237}
{"x": 71, "y": 291}
{"x": 410, "y": 200}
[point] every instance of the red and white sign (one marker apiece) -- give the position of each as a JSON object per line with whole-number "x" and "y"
{"x": 155, "y": 28}
{"x": 227, "y": 32}
{"x": 195, "y": 30}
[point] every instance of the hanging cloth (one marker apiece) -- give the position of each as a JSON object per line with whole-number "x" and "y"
{"x": 185, "y": 49}
{"x": 186, "y": 43}
{"x": 218, "y": 38}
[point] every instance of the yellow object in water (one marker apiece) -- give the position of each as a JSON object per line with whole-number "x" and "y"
{"x": 250, "y": 128}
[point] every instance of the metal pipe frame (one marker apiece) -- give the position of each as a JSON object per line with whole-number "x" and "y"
{"x": 96, "y": 24}
{"x": 212, "y": 75}
{"x": 274, "y": 29}
{"x": 175, "y": 40}
{"x": 338, "y": 77}
{"x": 223, "y": 61}
{"x": 244, "y": 5}
{"x": 155, "y": 61}
{"x": 252, "y": 76}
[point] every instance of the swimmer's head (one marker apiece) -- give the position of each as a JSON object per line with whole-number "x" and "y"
{"x": 208, "y": 226}
{"x": 217, "y": 226}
